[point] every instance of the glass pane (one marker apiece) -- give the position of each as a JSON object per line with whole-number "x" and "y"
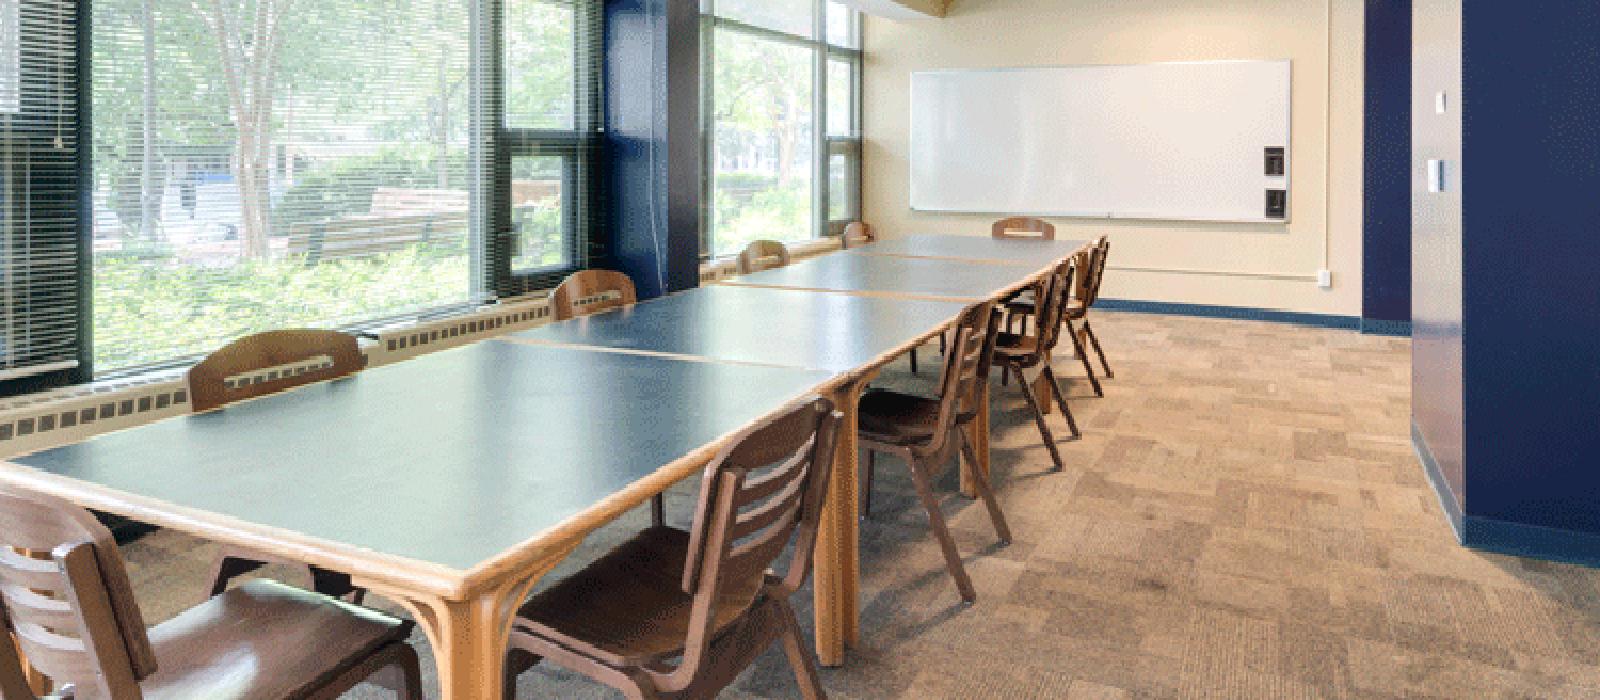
{"x": 840, "y": 193}
{"x": 764, "y": 130}
{"x": 841, "y": 98}
{"x": 540, "y": 64}
{"x": 339, "y": 197}
{"x": 791, "y": 16}
{"x": 842, "y": 23}
{"x": 538, "y": 213}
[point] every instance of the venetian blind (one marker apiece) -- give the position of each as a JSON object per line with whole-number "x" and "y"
{"x": 39, "y": 249}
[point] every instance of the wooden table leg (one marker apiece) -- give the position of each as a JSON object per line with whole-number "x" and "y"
{"x": 837, "y": 570}
{"x": 470, "y": 637}
{"x": 978, "y": 435}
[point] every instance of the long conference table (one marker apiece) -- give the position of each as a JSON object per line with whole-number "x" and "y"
{"x": 451, "y": 483}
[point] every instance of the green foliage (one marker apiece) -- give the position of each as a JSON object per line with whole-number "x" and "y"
{"x": 338, "y": 188}
{"x": 781, "y": 213}
{"x": 152, "y": 310}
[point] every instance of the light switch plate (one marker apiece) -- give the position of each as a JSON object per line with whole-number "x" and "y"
{"x": 1436, "y": 176}
{"x": 1440, "y": 104}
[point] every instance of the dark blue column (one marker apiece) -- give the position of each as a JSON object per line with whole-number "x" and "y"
{"x": 1386, "y": 221}
{"x": 652, "y": 146}
{"x": 1525, "y": 278}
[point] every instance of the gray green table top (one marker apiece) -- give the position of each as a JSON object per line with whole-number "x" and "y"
{"x": 818, "y": 330}
{"x": 886, "y": 275}
{"x": 1034, "y": 252}
{"x": 450, "y": 458}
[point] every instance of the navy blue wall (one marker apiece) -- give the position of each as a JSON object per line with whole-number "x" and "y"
{"x": 1386, "y": 221}
{"x": 652, "y": 146}
{"x": 1531, "y": 297}
{"x": 1529, "y": 323}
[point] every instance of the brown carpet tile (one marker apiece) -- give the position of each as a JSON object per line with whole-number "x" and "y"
{"x": 1244, "y": 518}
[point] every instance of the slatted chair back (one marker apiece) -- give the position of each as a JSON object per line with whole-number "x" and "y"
{"x": 966, "y": 362}
{"x": 290, "y": 358}
{"x": 1053, "y": 304}
{"x": 857, "y": 234}
{"x": 591, "y": 291}
{"x": 762, "y": 255}
{"x": 73, "y": 615}
{"x": 759, "y": 492}
{"x": 1096, "y": 272}
{"x": 1023, "y": 227}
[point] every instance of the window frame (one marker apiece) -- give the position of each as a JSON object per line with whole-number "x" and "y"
{"x": 822, "y": 53}
{"x": 579, "y": 150}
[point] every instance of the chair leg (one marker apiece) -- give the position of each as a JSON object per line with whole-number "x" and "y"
{"x": 227, "y": 568}
{"x": 981, "y": 482}
{"x": 944, "y": 344}
{"x": 658, "y": 510}
{"x": 1038, "y": 418}
{"x": 1061, "y": 402}
{"x": 1089, "y": 330}
{"x": 404, "y": 677}
{"x": 801, "y": 659}
{"x": 641, "y": 690}
{"x": 1077, "y": 349}
{"x": 866, "y": 484}
{"x": 518, "y": 661}
{"x": 941, "y": 532}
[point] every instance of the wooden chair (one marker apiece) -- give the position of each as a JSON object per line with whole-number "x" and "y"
{"x": 857, "y": 234}
{"x": 705, "y": 598}
{"x": 1023, "y": 227}
{"x": 215, "y": 382}
{"x": 1088, "y": 292}
{"x": 1018, "y": 352}
{"x": 927, "y": 432}
{"x": 75, "y": 619}
{"x": 762, "y": 255}
{"x": 233, "y": 374}
{"x": 590, "y": 292}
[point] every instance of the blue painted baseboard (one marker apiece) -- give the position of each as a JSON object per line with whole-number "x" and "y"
{"x": 1245, "y": 313}
{"x": 1375, "y": 326}
{"x": 1502, "y": 537}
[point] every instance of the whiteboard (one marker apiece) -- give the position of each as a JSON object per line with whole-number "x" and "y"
{"x": 1181, "y": 141}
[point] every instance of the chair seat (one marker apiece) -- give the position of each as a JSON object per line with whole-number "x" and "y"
{"x": 628, "y": 607}
{"x": 266, "y": 640}
{"x": 1015, "y": 344}
{"x": 1076, "y": 309}
{"x": 897, "y": 419}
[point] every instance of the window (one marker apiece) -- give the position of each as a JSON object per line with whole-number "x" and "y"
{"x": 549, "y": 140}
{"x": 40, "y": 251}
{"x": 268, "y": 164}
{"x": 775, "y": 100}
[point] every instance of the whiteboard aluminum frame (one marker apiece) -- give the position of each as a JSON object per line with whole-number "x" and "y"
{"x": 1288, "y": 148}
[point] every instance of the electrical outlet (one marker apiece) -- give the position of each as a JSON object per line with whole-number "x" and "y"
{"x": 1325, "y": 279}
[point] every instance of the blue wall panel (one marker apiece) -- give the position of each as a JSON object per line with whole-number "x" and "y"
{"x": 1386, "y": 218}
{"x": 1531, "y": 295}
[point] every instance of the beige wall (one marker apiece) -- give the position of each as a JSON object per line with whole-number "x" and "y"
{"x": 1255, "y": 265}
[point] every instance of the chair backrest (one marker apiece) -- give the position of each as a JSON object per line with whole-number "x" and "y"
{"x": 768, "y": 484}
{"x": 762, "y": 255}
{"x": 73, "y": 615}
{"x": 1023, "y": 227}
{"x": 1053, "y": 304}
{"x": 286, "y": 356}
{"x": 1096, "y": 272}
{"x": 857, "y": 234}
{"x": 591, "y": 291}
{"x": 966, "y": 362}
